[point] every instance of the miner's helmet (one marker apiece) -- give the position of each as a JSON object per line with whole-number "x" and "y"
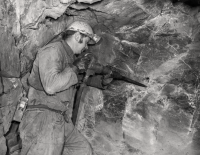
{"x": 85, "y": 29}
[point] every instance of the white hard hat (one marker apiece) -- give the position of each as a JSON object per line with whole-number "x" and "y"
{"x": 85, "y": 29}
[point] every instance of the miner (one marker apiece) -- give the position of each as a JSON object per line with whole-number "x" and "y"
{"x": 46, "y": 127}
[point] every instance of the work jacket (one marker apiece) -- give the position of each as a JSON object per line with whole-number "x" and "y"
{"x": 52, "y": 80}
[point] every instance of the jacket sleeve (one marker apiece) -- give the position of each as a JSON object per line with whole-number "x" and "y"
{"x": 53, "y": 77}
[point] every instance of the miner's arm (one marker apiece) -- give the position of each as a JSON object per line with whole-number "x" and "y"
{"x": 54, "y": 78}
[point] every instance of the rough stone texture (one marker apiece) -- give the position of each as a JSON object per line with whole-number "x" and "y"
{"x": 3, "y": 148}
{"x": 12, "y": 91}
{"x": 101, "y": 119}
{"x": 9, "y": 57}
{"x": 9, "y": 103}
{"x": 158, "y": 120}
{"x": 154, "y": 42}
{"x": 88, "y": 1}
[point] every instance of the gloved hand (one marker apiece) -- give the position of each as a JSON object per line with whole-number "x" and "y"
{"x": 100, "y": 69}
{"x": 80, "y": 78}
{"x": 82, "y": 63}
{"x": 106, "y": 81}
{"x": 95, "y": 81}
{"x": 99, "y": 81}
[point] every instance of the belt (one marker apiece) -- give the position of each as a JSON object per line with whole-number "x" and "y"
{"x": 42, "y": 106}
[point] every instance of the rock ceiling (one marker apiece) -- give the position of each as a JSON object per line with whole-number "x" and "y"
{"x": 155, "y": 42}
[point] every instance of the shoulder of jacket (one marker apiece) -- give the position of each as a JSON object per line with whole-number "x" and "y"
{"x": 52, "y": 45}
{"x": 56, "y": 45}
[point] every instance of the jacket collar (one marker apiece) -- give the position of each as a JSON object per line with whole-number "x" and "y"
{"x": 68, "y": 50}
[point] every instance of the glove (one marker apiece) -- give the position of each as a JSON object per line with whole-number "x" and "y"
{"x": 81, "y": 63}
{"x": 99, "y": 81}
{"x": 95, "y": 81}
{"x": 80, "y": 78}
{"x": 100, "y": 69}
{"x": 106, "y": 81}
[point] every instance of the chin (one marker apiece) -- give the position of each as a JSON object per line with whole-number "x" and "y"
{"x": 78, "y": 52}
{"x": 81, "y": 51}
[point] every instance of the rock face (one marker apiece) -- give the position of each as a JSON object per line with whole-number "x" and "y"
{"x": 154, "y": 42}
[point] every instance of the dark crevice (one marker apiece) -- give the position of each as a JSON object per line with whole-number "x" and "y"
{"x": 191, "y": 3}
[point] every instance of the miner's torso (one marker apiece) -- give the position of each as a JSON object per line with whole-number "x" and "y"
{"x": 59, "y": 101}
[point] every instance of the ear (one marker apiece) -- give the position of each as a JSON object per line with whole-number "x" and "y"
{"x": 78, "y": 37}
